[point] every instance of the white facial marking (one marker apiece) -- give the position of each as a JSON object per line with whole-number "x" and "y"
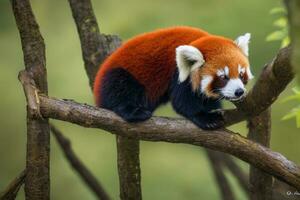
{"x": 231, "y": 87}
{"x": 242, "y": 70}
{"x": 226, "y": 70}
{"x": 222, "y": 72}
{"x": 243, "y": 42}
{"x": 250, "y": 75}
{"x": 188, "y": 58}
{"x": 206, "y": 80}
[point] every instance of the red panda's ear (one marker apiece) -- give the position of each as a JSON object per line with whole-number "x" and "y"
{"x": 243, "y": 42}
{"x": 188, "y": 58}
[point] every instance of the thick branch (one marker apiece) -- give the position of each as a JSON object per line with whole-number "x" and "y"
{"x": 175, "y": 131}
{"x": 260, "y": 132}
{"x": 272, "y": 81}
{"x": 78, "y": 166}
{"x": 12, "y": 189}
{"x": 37, "y": 181}
{"x": 218, "y": 169}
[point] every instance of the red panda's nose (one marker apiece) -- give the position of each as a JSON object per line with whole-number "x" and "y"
{"x": 239, "y": 92}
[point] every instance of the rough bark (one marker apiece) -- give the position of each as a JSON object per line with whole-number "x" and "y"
{"x": 220, "y": 177}
{"x": 12, "y": 189}
{"x": 261, "y": 183}
{"x": 78, "y": 166}
{"x": 175, "y": 131}
{"x": 95, "y": 48}
{"x": 129, "y": 168}
{"x": 37, "y": 181}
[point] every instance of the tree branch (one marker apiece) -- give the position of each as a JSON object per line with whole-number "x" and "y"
{"x": 12, "y": 189}
{"x": 78, "y": 166}
{"x": 175, "y": 131}
{"x": 95, "y": 46}
{"x": 217, "y": 166}
{"x": 37, "y": 181}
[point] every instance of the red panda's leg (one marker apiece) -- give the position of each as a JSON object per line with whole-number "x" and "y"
{"x": 132, "y": 113}
{"x": 124, "y": 95}
{"x": 195, "y": 107}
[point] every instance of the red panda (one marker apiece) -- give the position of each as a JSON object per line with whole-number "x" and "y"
{"x": 187, "y": 66}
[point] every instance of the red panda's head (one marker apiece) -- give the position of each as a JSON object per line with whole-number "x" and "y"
{"x": 217, "y": 66}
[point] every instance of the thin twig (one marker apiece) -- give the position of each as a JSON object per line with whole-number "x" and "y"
{"x": 78, "y": 166}
{"x": 218, "y": 169}
{"x": 12, "y": 189}
{"x": 236, "y": 171}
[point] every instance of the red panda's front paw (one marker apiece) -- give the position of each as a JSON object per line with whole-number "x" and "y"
{"x": 213, "y": 125}
{"x": 217, "y": 120}
{"x": 209, "y": 121}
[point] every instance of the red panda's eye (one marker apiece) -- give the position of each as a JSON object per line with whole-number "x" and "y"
{"x": 224, "y": 77}
{"x": 243, "y": 78}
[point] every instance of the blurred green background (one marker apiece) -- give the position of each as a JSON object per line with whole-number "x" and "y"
{"x": 169, "y": 171}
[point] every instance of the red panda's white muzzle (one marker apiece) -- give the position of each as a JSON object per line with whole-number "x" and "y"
{"x": 234, "y": 90}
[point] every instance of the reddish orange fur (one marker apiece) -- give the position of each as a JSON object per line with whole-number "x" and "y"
{"x": 220, "y": 52}
{"x": 150, "y": 58}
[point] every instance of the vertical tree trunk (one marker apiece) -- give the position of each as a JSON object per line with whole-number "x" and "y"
{"x": 37, "y": 181}
{"x": 260, "y": 131}
{"x": 129, "y": 168}
{"x": 95, "y": 48}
